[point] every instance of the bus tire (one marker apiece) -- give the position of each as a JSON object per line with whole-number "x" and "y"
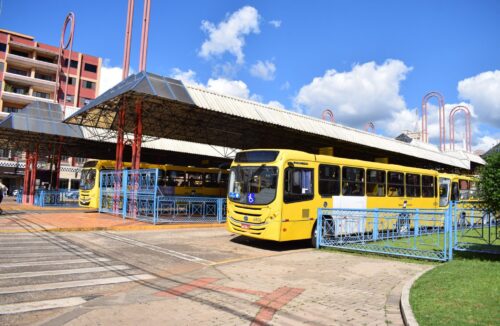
{"x": 314, "y": 236}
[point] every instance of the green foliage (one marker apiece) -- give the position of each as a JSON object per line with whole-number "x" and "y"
{"x": 489, "y": 183}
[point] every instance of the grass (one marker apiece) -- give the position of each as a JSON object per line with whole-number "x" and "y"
{"x": 464, "y": 291}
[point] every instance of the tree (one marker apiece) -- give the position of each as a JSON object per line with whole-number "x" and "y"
{"x": 489, "y": 182}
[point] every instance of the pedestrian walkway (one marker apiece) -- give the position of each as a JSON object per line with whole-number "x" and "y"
{"x": 41, "y": 271}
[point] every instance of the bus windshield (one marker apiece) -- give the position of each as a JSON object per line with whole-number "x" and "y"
{"x": 88, "y": 179}
{"x": 255, "y": 185}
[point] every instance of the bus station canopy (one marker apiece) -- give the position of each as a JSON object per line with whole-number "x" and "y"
{"x": 190, "y": 113}
{"x": 40, "y": 123}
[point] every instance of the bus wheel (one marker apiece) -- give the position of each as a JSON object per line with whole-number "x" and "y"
{"x": 314, "y": 236}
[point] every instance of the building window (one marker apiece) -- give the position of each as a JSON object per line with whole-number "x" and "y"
{"x": 395, "y": 184}
{"x": 329, "y": 180}
{"x": 84, "y": 100}
{"x": 16, "y": 89}
{"x": 10, "y": 110}
{"x": 4, "y": 153}
{"x": 71, "y": 80}
{"x": 3, "y": 47}
{"x": 44, "y": 59}
{"x": 41, "y": 95}
{"x": 74, "y": 63}
{"x": 299, "y": 185}
{"x": 69, "y": 98}
{"x": 88, "y": 84}
{"x": 19, "y": 53}
{"x": 17, "y": 71}
{"x": 44, "y": 76}
{"x": 375, "y": 183}
{"x": 90, "y": 68}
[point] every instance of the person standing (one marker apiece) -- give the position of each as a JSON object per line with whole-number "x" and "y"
{"x": 3, "y": 190}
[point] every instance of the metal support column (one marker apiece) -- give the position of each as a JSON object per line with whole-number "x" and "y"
{"x": 58, "y": 166}
{"x": 26, "y": 176}
{"x": 136, "y": 145}
{"x": 34, "y": 163}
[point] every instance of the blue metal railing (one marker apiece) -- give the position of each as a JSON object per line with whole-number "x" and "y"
{"x": 176, "y": 209}
{"x": 135, "y": 194}
{"x": 45, "y": 198}
{"x": 412, "y": 233}
{"x": 476, "y": 228}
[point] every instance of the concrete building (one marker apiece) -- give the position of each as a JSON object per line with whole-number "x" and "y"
{"x": 27, "y": 73}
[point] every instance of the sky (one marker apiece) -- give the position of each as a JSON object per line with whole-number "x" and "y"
{"x": 366, "y": 61}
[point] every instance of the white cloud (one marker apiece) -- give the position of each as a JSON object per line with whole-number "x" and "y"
{"x": 264, "y": 70}
{"x": 275, "y": 23}
{"x": 236, "y": 88}
{"x": 187, "y": 77}
{"x": 276, "y": 104}
{"x": 110, "y": 76}
{"x": 229, "y": 35}
{"x": 400, "y": 121}
{"x": 285, "y": 86}
{"x": 484, "y": 143}
{"x": 229, "y": 87}
{"x": 369, "y": 92}
{"x": 483, "y": 91}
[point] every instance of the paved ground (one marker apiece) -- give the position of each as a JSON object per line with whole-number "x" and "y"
{"x": 199, "y": 276}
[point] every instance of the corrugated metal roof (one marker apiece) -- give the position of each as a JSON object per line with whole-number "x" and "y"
{"x": 46, "y": 119}
{"x": 257, "y": 111}
{"x": 172, "y": 145}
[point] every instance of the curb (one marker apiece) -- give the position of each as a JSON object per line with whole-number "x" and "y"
{"x": 121, "y": 228}
{"x": 404, "y": 303}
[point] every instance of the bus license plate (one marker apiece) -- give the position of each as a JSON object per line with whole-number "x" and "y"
{"x": 245, "y": 226}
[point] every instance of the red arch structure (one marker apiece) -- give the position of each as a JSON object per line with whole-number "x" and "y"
{"x": 328, "y": 115}
{"x": 442, "y": 131}
{"x": 468, "y": 134}
{"x": 370, "y": 127}
{"x": 70, "y": 20}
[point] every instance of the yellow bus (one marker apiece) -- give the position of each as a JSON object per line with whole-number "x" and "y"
{"x": 193, "y": 181}
{"x": 275, "y": 194}
{"x": 173, "y": 180}
{"x": 90, "y": 176}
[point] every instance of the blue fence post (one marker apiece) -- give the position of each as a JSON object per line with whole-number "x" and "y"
{"x": 416, "y": 226}
{"x": 220, "y": 203}
{"x": 319, "y": 227}
{"x": 375, "y": 225}
{"x": 155, "y": 196}
{"x": 125, "y": 192}
{"x": 99, "y": 207}
{"x": 450, "y": 231}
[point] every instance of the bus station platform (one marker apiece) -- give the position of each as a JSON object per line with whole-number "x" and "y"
{"x": 19, "y": 218}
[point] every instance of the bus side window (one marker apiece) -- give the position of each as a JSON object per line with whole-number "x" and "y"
{"x": 395, "y": 184}
{"x": 427, "y": 186}
{"x": 412, "y": 185}
{"x": 375, "y": 183}
{"x": 454, "y": 191}
{"x": 299, "y": 185}
{"x": 329, "y": 180}
{"x": 353, "y": 181}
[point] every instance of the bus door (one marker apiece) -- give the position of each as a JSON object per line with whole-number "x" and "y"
{"x": 299, "y": 207}
{"x": 444, "y": 192}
